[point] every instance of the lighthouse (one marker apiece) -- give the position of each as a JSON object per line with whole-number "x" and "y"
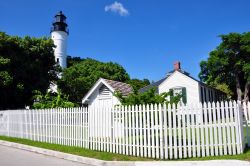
{"x": 59, "y": 34}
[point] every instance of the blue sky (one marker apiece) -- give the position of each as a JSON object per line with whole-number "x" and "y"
{"x": 144, "y": 36}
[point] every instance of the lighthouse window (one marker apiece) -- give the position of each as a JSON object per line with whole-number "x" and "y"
{"x": 57, "y": 60}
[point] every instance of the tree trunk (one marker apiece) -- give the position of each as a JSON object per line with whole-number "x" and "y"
{"x": 238, "y": 89}
{"x": 246, "y": 91}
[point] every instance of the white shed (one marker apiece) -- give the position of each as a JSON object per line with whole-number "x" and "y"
{"x": 101, "y": 97}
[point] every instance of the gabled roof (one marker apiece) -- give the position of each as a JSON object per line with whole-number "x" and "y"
{"x": 153, "y": 85}
{"x": 156, "y": 84}
{"x": 123, "y": 88}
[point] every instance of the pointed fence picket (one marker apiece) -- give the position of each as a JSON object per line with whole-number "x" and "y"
{"x": 246, "y": 120}
{"x": 153, "y": 131}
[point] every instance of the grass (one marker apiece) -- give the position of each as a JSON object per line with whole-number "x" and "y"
{"x": 111, "y": 156}
{"x": 75, "y": 150}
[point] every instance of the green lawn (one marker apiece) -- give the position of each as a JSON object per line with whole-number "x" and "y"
{"x": 109, "y": 156}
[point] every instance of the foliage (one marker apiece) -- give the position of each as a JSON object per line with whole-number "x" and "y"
{"x": 223, "y": 87}
{"x": 228, "y": 66}
{"x": 79, "y": 78}
{"x": 138, "y": 84}
{"x": 51, "y": 100}
{"x": 5, "y": 78}
{"x": 148, "y": 97}
{"x": 26, "y": 64}
{"x": 71, "y": 61}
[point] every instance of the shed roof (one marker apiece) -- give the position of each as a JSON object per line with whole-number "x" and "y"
{"x": 123, "y": 88}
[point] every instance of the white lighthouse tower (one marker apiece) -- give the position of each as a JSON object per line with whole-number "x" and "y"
{"x": 59, "y": 34}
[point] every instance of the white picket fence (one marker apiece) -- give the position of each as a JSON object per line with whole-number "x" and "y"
{"x": 153, "y": 131}
{"x": 246, "y": 121}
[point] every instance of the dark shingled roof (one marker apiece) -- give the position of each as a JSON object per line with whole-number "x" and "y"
{"x": 153, "y": 85}
{"x": 123, "y": 88}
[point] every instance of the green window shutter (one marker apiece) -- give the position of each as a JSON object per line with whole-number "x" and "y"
{"x": 184, "y": 95}
{"x": 171, "y": 92}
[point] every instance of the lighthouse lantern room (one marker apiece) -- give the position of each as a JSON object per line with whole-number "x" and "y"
{"x": 59, "y": 34}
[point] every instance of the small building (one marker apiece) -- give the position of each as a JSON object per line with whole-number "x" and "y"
{"x": 102, "y": 93}
{"x": 179, "y": 81}
{"x": 101, "y": 96}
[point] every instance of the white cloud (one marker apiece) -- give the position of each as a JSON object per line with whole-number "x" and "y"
{"x": 117, "y": 7}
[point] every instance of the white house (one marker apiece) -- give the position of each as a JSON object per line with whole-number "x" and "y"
{"x": 178, "y": 81}
{"x": 102, "y": 93}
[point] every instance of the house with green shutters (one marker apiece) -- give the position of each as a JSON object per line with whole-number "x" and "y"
{"x": 192, "y": 90}
{"x": 176, "y": 82}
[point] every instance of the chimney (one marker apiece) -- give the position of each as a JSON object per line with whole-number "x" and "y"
{"x": 177, "y": 65}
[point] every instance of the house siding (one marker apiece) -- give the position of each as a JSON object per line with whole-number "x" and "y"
{"x": 178, "y": 79}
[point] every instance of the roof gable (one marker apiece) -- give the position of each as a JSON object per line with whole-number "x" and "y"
{"x": 184, "y": 74}
{"x": 158, "y": 83}
{"x": 123, "y": 88}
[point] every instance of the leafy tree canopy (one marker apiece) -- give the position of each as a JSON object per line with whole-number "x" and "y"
{"x": 228, "y": 66}
{"x": 138, "y": 84}
{"x": 5, "y": 78}
{"x": 80, "y": 77}
{"x": 26, "y": 64}
{"x": 51, "y": 100}
{"x": 148, "y": 97}
{"x": 73, "y": 60}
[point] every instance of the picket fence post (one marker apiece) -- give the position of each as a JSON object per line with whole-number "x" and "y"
{"x": 241, "y": 127}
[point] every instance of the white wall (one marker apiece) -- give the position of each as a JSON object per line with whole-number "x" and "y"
{"x": 60, "y": 40}
{"x": 96, "y": 101}
{"x": 178, "y": 79}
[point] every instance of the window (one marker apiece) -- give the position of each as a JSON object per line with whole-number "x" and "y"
{"x": 57, "y": 60}
{"x": 179, "y": 91}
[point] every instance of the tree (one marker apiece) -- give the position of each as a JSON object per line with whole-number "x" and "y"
{"x": 138, "y": 84}
{"x": 51, "y": 100}
{"x": 79, "y": 78}
{"x": 228, "y": 66}
{"x": 26, "y": 64}
{"x": 5, "y": 78}
{"x": 148, "y": 97}
{"x": 71, "y": 61}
